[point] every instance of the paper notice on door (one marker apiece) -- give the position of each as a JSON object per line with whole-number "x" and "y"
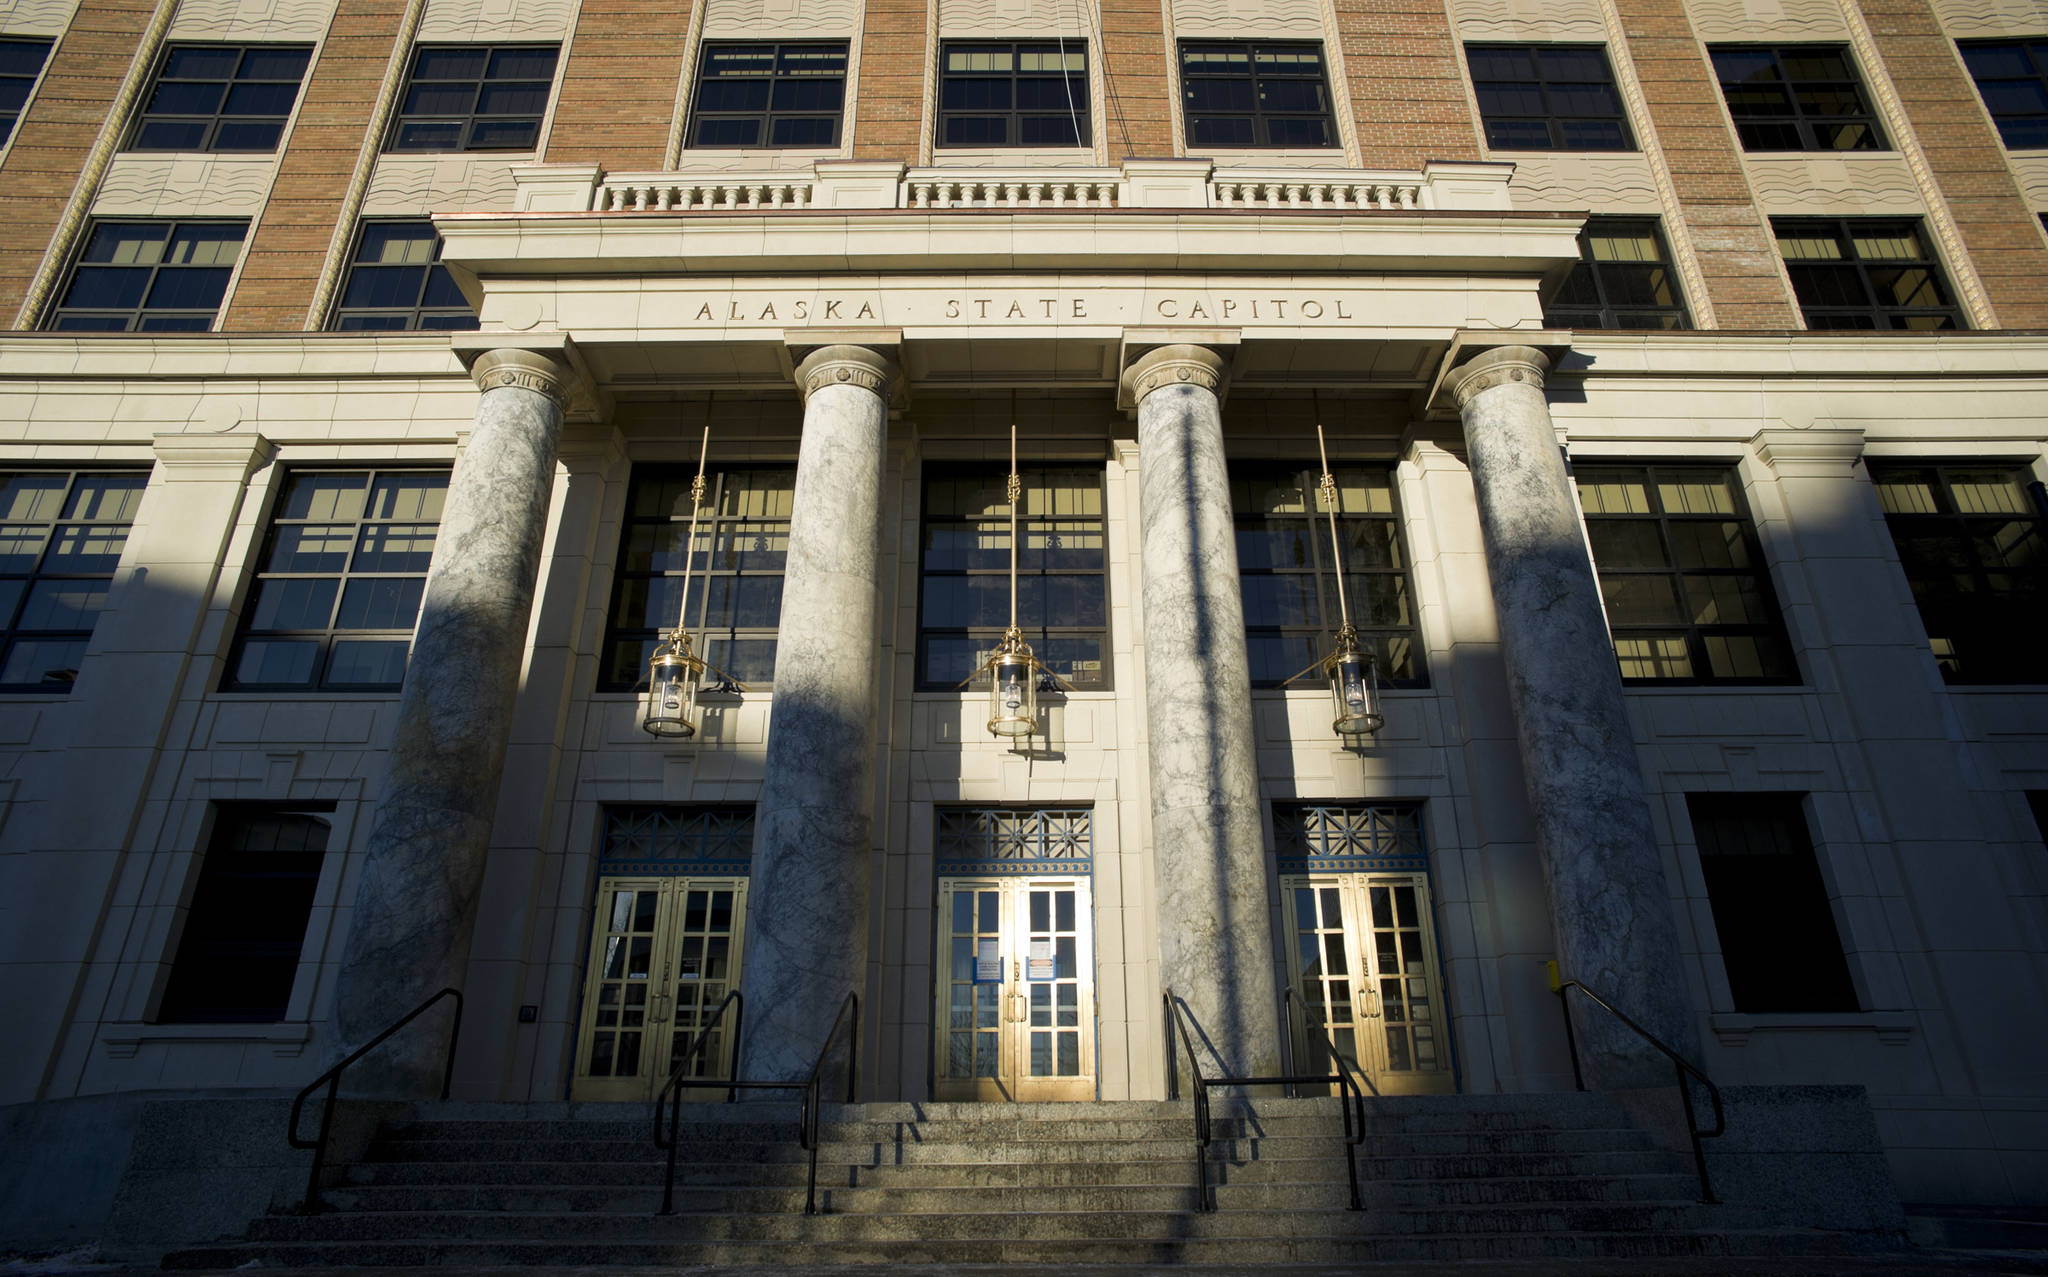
{"x": 988, "y": 962}
{"x": 1039, "y": 965}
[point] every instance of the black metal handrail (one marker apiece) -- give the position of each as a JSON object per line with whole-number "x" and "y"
{"x": 332, "y": 1079}
{"x": 807, "y": 1122}
{"x": 1685, "y": 1068}
{"x": 693, "y": 1054}
{"x": 1352, "y": 1102}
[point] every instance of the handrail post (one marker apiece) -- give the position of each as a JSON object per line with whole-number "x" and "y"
{"x": 1571, "y": 1040}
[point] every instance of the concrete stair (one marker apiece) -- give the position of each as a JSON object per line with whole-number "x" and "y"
{"x": 1445, "y": 1178}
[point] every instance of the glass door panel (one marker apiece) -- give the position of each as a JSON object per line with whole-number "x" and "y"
{"x": 1016, "y": 1004}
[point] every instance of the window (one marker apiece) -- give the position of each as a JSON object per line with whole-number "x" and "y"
{"x": 1973, "y": 541}
{"x": 150, "y": 277}
{"x": 239, "y": 952}
{"x": 769, "y": 95}
{"x": 735, "y": 598}
{"x": 2037, "y": 802}
{"x": 396, "y": 283}
{"x": 338, "y": 588}
{"x": 211, "y": 97}
{"x": 1256, "y": 95}
{"x": 1290, "y": 585}
{"x": 1778, "y": 937}
{"x": 1548, "y": 97}
{"x": 1864, "y": 273}
{"x": 21, "y": 61}
{"x": 1802, "y": 97}
{"x": 61, "y": 537}
{"x": 1062, "y": 589}
{"x": 1681, "y": 575}
{"x": 1623, "y": 279}
{"x": 474, "y": 97}
{"x": 2012, "y": 76}
{"x": 1014, "y": 94}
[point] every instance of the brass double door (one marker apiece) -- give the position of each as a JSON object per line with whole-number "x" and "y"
{"x": 1016, "y": 989}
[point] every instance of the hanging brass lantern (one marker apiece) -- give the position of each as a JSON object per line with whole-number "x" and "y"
{"x": 675, "y": 673}
{"x": 1352, "y": 673}
{"x": 1013, "y": 687}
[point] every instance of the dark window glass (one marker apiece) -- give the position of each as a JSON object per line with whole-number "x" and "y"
{"x": 21, "y": 61}
{"x": 2037, "y": 802}
{"x": 221, "y": 98}
{"x": 1801, "y": 97}
{"x": 61, "y": 536}
{"x": 1014, "y": 94}
{"x": 1252, "y": 94}
{"x": 1548, "y": 97}
{"x": 150, "y": 277}
{"x": 474, "y": 98}
{"x": 770, "y": 95}
{"x": 1289, "y": 582}
{"x": 1623, "y": 279}
{"x": 1778, "y": 936}
{"x": 338, "y": 589}
{"x": 1688, "y": 599}
{"x": 1971, "y": 540}
{"x": 735, "y": 600}
{"x": 2012, "y": 76}
{"x": 1062, "y": 587}
{"x": 239, "y": 951}
{"x": 1866, "y": 273}
{"x": 396, "y": 283}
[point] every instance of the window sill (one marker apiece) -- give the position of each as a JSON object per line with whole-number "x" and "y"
{"x": 286, "y": 1038}
{"x": 1734, "y": 1028}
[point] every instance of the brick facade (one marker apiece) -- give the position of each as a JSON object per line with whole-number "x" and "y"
{"x": 619, "y": 88}
{"x": 1137, "y": 119}
{"x": 1407, "y": 92}
{"x": 889, "y": 122}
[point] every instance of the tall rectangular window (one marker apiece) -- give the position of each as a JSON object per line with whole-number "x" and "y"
{"x": 1864, "y": 272}
{"x": 1798, "y": 97}
{"x": 1973, "y": 540}
{"x": 150, "y": 277}
{"x": 2012, "y": 78}
{"x": 1289, "y": 580}
{"x": 770, "y": 95}
{"x": 21, "y": 61}
{"x": 1682, "y": 577}
{"x": 396, "y": 283}
{"x": 61, "y": 537}
{"x": 1014, "y": 94}
{"x": 1770, "y": 904}
{"x": 1062, "y": 586}
{"x": 238, "y": 954}
{"x": 1255, "y": 94}
{"x": 475, "y": 97}
{"x": 735, "y": 599}
{"x": 221, "y": 97}
{"x": 1623, "y": 280}
{"x": 338, "y": 588}
{"x": 1548, "y": 97}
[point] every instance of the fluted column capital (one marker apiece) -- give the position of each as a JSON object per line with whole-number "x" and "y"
{"x": 845, "y": 365}
{"x": 1500, "y": 366}
{"x": 1181, "y": 364}
{"x": 524, "y": 369}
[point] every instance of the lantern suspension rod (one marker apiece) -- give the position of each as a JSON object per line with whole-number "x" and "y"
{"x": 696, "y": 504}
{"x": 1015, "y": 490}
{"x": 1328, "y": 488}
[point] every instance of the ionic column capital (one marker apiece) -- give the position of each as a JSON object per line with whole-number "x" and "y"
{"x": 1500, "y": 366}
{"x": 844, "y": 366}
{"x": 1175, "y": 365}
{"x": 510, "y": 366}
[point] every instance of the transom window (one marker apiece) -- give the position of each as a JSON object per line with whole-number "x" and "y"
{"x": 1973, "y": 540}
{"x": 214, "y": 97}
{"x": 1364, "y": 837}
{"x": 21, "y": 61}
{"x": 61, "y": 537}
{"x": 1683, "y": 579}
{"x": 1062, "y": 592}
{"x": 150, "y": 277}
{"x": 1865, "y": 273}
{"x": 1548, "y": 97}
{"x": 1245, "y": 94}
{"x": 993, "y": 839}
{"x": 1801, "y": 97}
{"x": 1623, "y": 280}
{"x": 770, "y": 95}
{"x": 396, "y": 283}
{"x": 1290, "y": 583}
{"x": 2012, "y": 77}
{"x": 474, "y": 97}
{"x": 698, "y": 839}
{"x": 338, "y": 588}
{"x": 1014, "y": 94}
{"x": 735, "y": 601}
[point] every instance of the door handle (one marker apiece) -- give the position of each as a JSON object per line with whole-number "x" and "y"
{"x": 657, "y": 1011}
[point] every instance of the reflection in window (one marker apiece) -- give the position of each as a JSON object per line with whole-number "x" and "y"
{"x": 61, "y": 536}
{"x": 150, "y": 277}
{"x": 2012, "y": 78}
{"x": 396, "y": 283}
{"x": 1802, "y": 97}
{"x": 1019, "y": 94}
{"x": 1256, "y": 95}
{"x": 770, "y": 95}
{"x": 21, "y": 61}
{"x": 473, "y": 97}
{"x": 1548, "y": 97}
{"x": 211, "y": 97}
{"x": 1865, "y": 273}
{"x": 1623, "y": 279}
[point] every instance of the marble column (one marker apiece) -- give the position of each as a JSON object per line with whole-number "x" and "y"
{"x": 1215, "y": 931}
{"x": 416, "y": 900}
{"x": 807, "y": 924}
{"x": 1610, "y": 904}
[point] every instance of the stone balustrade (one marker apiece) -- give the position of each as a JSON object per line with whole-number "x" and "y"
{"x": 1292, "y": 188}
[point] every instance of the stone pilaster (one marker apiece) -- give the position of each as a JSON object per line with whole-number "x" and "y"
{"x": 1610, "y": 905}
{"x": 1215, "y": 931}
{"x": 416, "y": 903}
{"x": 807, "y": 927}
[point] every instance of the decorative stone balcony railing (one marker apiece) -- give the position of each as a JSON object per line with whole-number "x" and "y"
{"x": 1134, "y": 184}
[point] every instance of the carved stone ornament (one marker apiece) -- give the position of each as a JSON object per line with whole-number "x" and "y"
{"x": 844, "y": 366}
{"x": 522, "y": 369}
{"x": 1500, "y": 366}
{"x": 1174, "y": 366}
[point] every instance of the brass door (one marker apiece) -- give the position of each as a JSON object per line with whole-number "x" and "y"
{"x": 1016, "y": 993}
{"x": 1361, "y": 956}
